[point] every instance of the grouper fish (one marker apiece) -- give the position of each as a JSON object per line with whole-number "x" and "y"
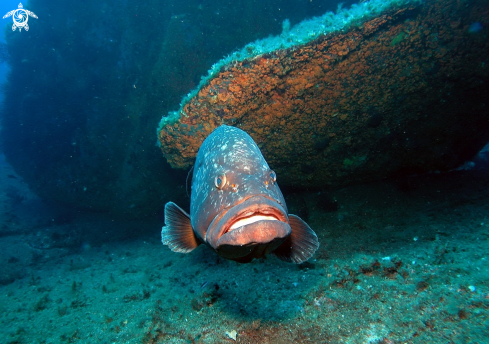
{"x": 236, "y": 206}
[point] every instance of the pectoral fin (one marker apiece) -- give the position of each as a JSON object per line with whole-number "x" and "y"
{"x": 300, "y": 245}
{"x": 177, "y": 232}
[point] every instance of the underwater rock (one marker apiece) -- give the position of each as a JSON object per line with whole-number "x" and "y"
{"x": 402, "y": 92}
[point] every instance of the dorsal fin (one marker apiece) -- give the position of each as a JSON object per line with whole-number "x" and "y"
{"x": 300, "y": 245}
{"x": 177, "y": 232}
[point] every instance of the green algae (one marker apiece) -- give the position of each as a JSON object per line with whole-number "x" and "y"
{"x": 396, "y": 40}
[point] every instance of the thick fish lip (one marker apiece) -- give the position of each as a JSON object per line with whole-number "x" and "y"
{"x": 220, "y": 230}
{"x": 254, "y": 240}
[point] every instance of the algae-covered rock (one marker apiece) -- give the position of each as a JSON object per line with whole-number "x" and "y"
{"x": 397, "y": 93}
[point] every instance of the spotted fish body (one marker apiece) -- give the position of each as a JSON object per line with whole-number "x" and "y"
{"x": 236, "y": 206}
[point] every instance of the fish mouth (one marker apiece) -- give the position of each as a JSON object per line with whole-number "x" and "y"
{"x": 258, "y": 220}
{"x": 249, "y": 220}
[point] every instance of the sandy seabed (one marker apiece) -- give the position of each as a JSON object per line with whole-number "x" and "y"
{"x": 401, "y": 261}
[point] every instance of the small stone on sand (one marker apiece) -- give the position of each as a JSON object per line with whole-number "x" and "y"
{"x": 232, "y": 334}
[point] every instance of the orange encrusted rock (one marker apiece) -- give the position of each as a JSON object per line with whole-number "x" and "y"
{"x": 400, "y": 93}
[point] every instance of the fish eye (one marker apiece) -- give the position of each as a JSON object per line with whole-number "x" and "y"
{"x": 220, "y": 181}
{"x": 273, "y": 176}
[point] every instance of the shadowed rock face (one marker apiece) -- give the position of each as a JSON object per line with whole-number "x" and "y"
{"x": 85, "y": 93}
{"x": 402, "y": 93}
